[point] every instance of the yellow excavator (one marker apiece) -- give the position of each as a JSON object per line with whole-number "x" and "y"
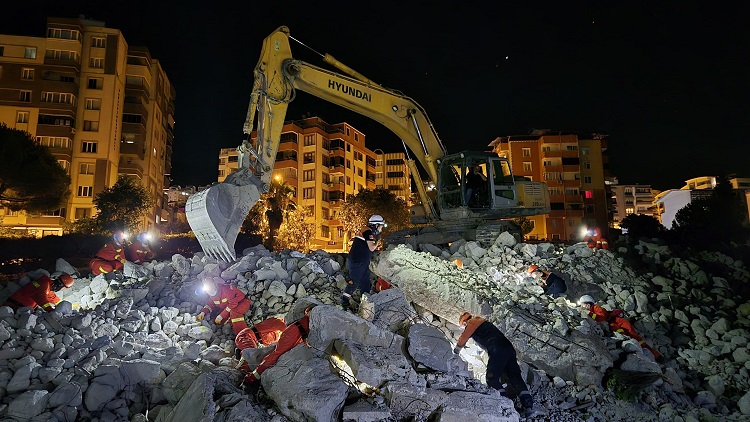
{"x": 479, "y": 213}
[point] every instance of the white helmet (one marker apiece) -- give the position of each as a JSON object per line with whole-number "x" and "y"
{"x": 586, "y": 299}
{"x": 376, "y": 219}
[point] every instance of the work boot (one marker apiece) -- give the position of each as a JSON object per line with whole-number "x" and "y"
{"x": 237, "y": 353}
{"x": 109, "y": 276}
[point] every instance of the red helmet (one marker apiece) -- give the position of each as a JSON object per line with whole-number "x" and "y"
{"x": 66, "y": 279}
{"x": 464, "y": 317}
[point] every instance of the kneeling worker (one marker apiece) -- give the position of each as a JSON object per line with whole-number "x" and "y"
{"x": 552, "y": 284}
{"x": 502, "y": 358}
{"x": 266, "y": 333}
{"x": 226, "y": 300}
{"x": 39, "y": 292}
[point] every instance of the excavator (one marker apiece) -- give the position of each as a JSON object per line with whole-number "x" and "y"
{"x": 455, "y": 212}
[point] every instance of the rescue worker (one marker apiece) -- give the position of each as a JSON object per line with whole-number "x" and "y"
{"x": 594, "y": 239}
{"x": 616, "y": 321}
{"x": 266, "y": 332}
{"x": 381, "y": 285}
{"x": 139, "y": 252}
{"x": 553, "y": 284}
{"x": 358, "y": 260}
{"x": 110, "y": 260}
{"x": 502, "y": 358}
{"x": 39, "y": 292}
{"x": 225, "y": 302}
{"x": 294, "y": 334}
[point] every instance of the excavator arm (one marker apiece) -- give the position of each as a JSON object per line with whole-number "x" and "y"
{"x": 216, "y": 214}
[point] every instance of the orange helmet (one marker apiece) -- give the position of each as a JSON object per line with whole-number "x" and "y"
{"x": 533, "y": 268}
{"x": 464, "y": 317}
{"x": 67, "y": 280}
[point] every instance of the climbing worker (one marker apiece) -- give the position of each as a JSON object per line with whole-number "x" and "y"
{"x": 266, "y": 333}
{"x": 553, "y": 284}
{"x": 139, "y": 251}
{"x": 616, "y": 321}
{"x": 225, "y": 302}
{"x": 110, "y": 260}
{"x": 294, "y": 334}
{"x": 502, "y": 358}
{"x": 358, "y": 260}
{"x": 39, "y": 292}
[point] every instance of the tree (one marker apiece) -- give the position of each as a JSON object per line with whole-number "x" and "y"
{"x": 266, "y": 216}
{"x": 120, "y": 207}
{"x": 298, "y": 229}
{"x": 30, "y": 177}
{"x": 357, "y": 210}
{"x": 642, "y": 225}
{"x": 713, "y": 220}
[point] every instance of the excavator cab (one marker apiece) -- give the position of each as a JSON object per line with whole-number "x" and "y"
{"x": 479, "y": 181}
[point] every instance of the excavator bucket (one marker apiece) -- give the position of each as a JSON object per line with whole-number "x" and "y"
{"x": 216, "y": 214}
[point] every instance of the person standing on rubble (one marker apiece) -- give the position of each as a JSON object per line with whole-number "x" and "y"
{"x": 294, "y": 334}
{"x": 39, "y": 292}
{"x": 225, "y": 302}
{"x": 553, "y": 284}
{"x": 502, "y": 358}
{"x": 358, "y": 260}
{"x": 616, "y": 322}
{"x": 110, "y": 260}
{"x": 139, "y": 252}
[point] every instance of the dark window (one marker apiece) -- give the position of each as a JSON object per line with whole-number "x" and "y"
{"x": 395, "y": 174}
{"x": 132, "y": 118}
{"x": 557, "y": 206}
{"x": 570, "y": 161}
{"x": 394, "y": 162}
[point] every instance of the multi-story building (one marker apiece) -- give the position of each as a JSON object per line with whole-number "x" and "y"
{"x": 103, "y": 108}
{"x": 669, "y": 202}
{"x": 324, "y": 164}
{"x": 632, "y": 199}
{"x": 572, "y": 165}
{"x": 393, "y": 174}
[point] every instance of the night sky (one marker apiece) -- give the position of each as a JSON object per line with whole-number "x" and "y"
{"x": 667, "y": 81}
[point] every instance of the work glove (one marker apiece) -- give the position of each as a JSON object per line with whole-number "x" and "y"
{"x": 237, "y": 353}
{"x": 218, "y": 320}
{"x": 456, "y": 350}
{"x": 200, "y": 316}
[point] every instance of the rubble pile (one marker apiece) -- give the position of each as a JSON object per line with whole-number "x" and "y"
{"x": 132, "y": 350}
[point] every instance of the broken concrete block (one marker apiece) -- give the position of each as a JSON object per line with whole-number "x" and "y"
{"x": 429, "y": 347}
{"x": 464, "y": 406}
{"x": 303, "y": 386}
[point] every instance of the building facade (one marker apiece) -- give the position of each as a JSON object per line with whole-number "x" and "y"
{"x": 324, "y": 164}
{"x": 102, "y": 108}
{"x": 669, "y": 202}
{"x": 632, "y": 199}
{"x": 573, "y": 167}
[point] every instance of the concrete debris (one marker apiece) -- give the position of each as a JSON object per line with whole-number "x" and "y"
{"x": 132, "y": 349}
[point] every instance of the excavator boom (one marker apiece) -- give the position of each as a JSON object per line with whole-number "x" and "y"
{"x": 217, "y": 213}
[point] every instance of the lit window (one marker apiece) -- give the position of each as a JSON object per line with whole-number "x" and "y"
{"x": 589, "y": 194}
{"x": 527, "y": 166}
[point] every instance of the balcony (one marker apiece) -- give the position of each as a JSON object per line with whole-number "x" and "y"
{"x": 571, "y": 183}
{"x": 573, "y": 198}
{"x": 55, "y": 130}
{"x": 136, "y": 108}
{"x": 44, "y": 220}
{"x": 336, "y": 168}
{"x": 130, "y": 167}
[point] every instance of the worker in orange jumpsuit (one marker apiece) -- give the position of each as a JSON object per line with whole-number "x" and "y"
{"x": 595, "y": 240}
{"x": 139, "y": 251}
{"x": 228, "y": 302}
{"x": 294, "y": 334}
{"x": 110, "y": 260}
{"x": 39, "y": 292}
{"x": 616, "y": 322}
{"x": 266, "y": 332}
{"x": 381, "y": 285}
{"x": 502, "y": 366}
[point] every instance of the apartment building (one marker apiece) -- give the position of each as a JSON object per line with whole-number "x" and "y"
{"x": 103, "y": 108}
{"x": 324, "y": 164}
{"x": 669, "y": 202}
{"x": 632, "y": 199}
{"x": 573, "y": 167}
{"x": 393, "y": 174}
